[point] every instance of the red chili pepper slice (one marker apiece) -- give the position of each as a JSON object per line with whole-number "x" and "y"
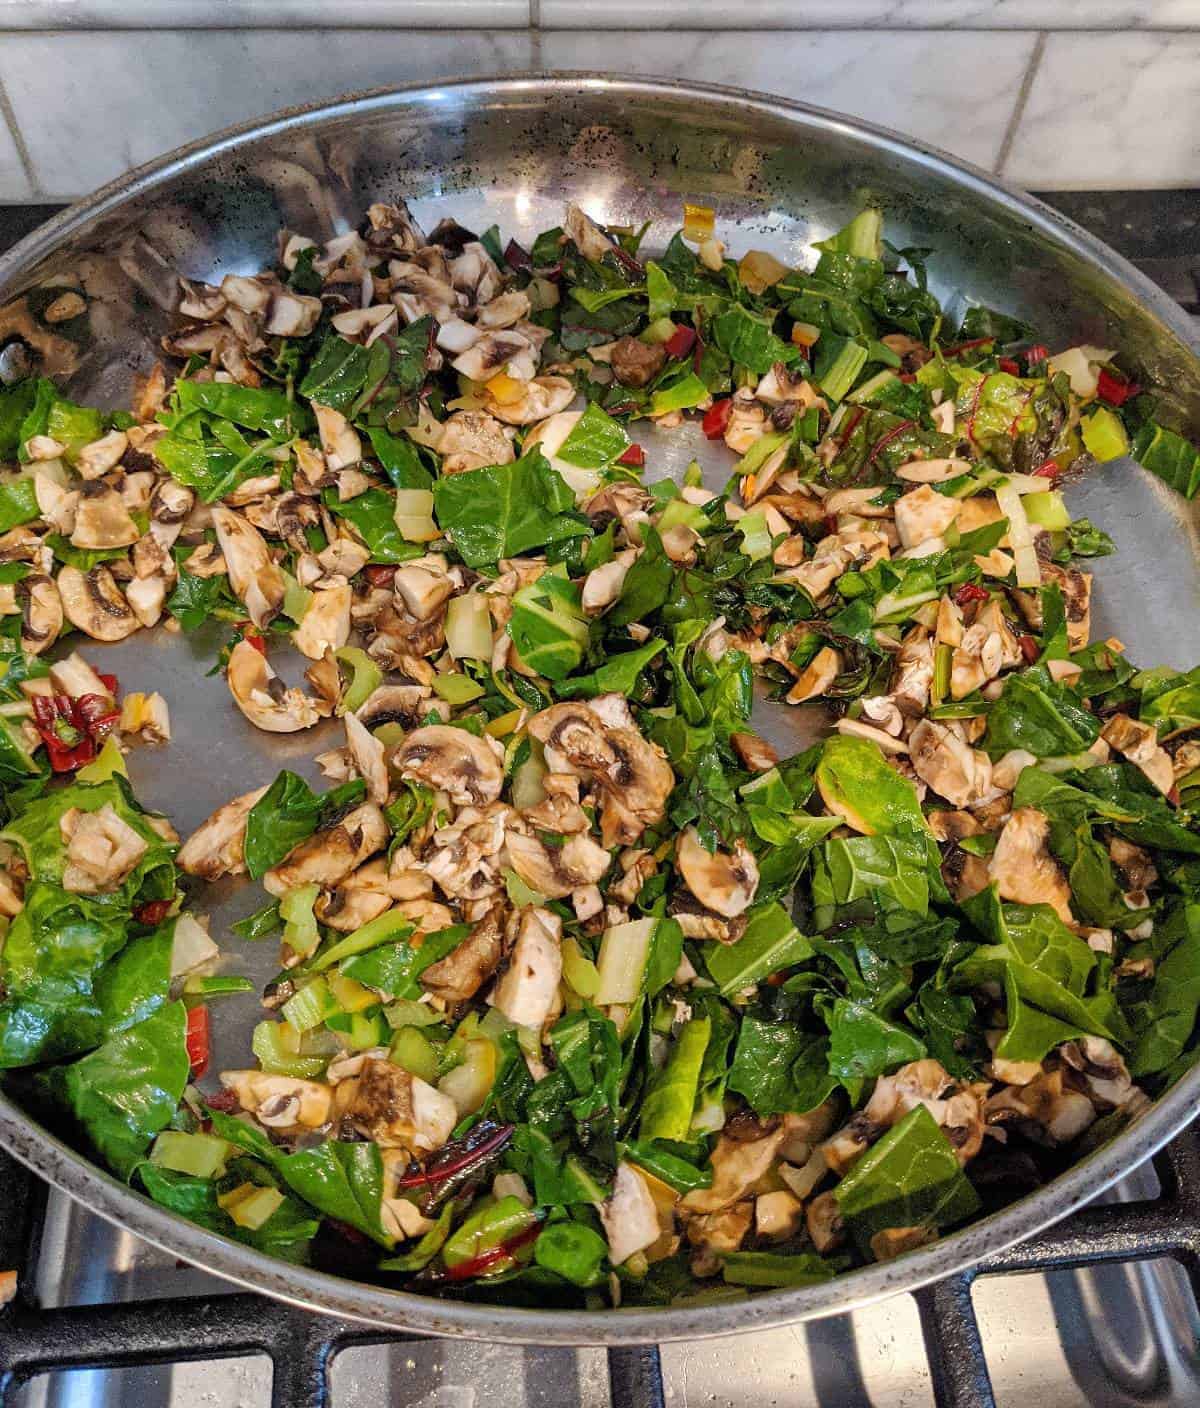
{"x": 830, "y": 522}
{"x": 1036, "y": 355}
{"x": 198, "y": 1039}
{"x": 380, "y": 576}
{"x": 634, "y": 456}
{"x": 966, "y": 346}
{"x": 494, "y": 1257}
{"x": 152, "y": 912}
{"x": 68, "y": 744}
{"x": 969, "y": 592}
{"x": 716, "y": 418}
{"x": 1007, "y": 364}
{"x": 1115, "y": 390}
{"x": 679, "y": 344}
{"x": 1029, "y": 649}
{"x": 1048, "y": 469}
{"x": 111, "y": 683}
{"x": 96, "y": 715}
{"x": 907, "y": 378}
{"x": 250, "y": 634}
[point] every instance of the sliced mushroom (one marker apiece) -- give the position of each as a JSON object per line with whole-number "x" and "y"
{"x": 101, "y": 519}
{"x": 98, "y": 457}
{"x": 459, "y": 976}
{"x": 328, "y": 856}
{"x": 94, "y": 603}
{"x": 495, "y": 352}
{"x": 394, "y": 1108}
{"x": 923, "y": 513}
{"x": 262, "y": 696}
{"x": 954, "y": 769}
{"x": 554, "y": 871}
{"x": 543, "y": 396}
{"x": 367, "y": 752}
{"x": 422, "y": 591}
{"x": 527, "y": 993}
{"x": 101, "y": 850}
{"x": 1046, "y": 1110}
{"x": 602, "y": 585}
{"x": 339, "y": 440}
{"x": 629, "y": 1215}
{"x": 633, "y": 775}
{"x": 41, "y": 612}
{"x": 453, "y": 761}
{"x": 287, "y": 1100}
{"x": 215, "y": 848}
{"x": 292, "y": 315}
{"x": 403, "y": 704}
{"x": 326, "y": 623}
{"x": 147, "y": 596}
{"x": 723, "y": 881}
{"x": 1023, "y": 868}
{"x": 254, "y": 575}
{"x": 817, "y": 676}
{"x": 1139, "y": 743}
{"x": 472, "y": 439}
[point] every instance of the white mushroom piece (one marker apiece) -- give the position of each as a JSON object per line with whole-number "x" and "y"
{"x": 101, "y": 850}
{"x": 923, "y": 513}
{"x": 1046, "y": 1110}
{"x": 41, "y": 612}
{"x": 422, "y": 589}
{"x": 368, "y": 755}
{"x": 459, "y": 976}
{"x": 629, "y": 1215}
{"x": 93, "y": 603}
{"x": 281, "y": 1102}
{"x": 254, "y": 575}
{"x": 555, "y": 871}
{"x": 101, "y": 518}
{"x": 262, "y": 696}
{"x": 217, "y": 846}
{"x": 325, "y": 624}
{"x": 602, "y": 585}
{"x": 328, "y": 856}
{"x": 948, "y": 764}
{"x": 817, "y": 676}
{"x": 591, "y": 241}
{"x": 451, "y": 760}
{"x": 723, "y": 881}
{"x": 98, "y": 457}
{"x": 592, "y": 741}
{"x": 542, "y": 396}
{"x": 339, "y": 440}
{"x": 1138, "y": 742}
{"x": 527, "y": 992}
{"x": 1022, "y": 867}
{"x": 394, "y": 1108}
{"x": 472, "y": 439}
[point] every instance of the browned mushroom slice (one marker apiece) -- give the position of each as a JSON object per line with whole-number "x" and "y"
{"x": 41, "y": 612}
{"x": 94, "y": 603}
{"x": 723, "y": 881}
{"x": 459, "y": 976}
{"x": 328, "y": 856}
{"x": 453, "y": 761}
{"x": 1023, "y": 868}
{"x": 215, "y": 848}
{"x": 264, "y": 699}
{"x": 254, "y": 575}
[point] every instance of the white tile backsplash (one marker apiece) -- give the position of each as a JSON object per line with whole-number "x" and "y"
{"x": 130, "y": 97}
{"x": 882, "y": 14}
{"x": 953, "y": 90}
{"x": 263, "y": 14}
{"x": 1102, "y": 107}
{"x": 1111, "y": 110}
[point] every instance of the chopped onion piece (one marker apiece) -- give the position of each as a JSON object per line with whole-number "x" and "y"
{"x": 469, "y": 627}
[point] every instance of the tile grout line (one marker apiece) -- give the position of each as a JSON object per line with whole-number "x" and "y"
{"x": 535, "y": 35}
{"x": 10, "y": 120}
{"x": 1018, "y": 112}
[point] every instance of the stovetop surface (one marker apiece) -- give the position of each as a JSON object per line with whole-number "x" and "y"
{"x": 1114, "y": 1334}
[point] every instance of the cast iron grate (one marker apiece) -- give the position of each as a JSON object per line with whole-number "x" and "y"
{"x": 302, "y": 1346}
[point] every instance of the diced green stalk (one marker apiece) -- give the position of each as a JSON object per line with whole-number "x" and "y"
{"x": 274, "y": 1044}
{"x": 200, "y": 1155}
{"x": 457, "y": 690}
{"x": 388, "y": 927}
{"x": 310, "y": 1006}
{"x": 256, "y": 1208}
{"x": 1047, "y": 510}
{"x": 943, "y": 657}
{"x": 365, "y": 677}
{"x": 405, "y": 1012}
{"x": 841, "y": 361}
{"x": 1103, "y": 434}
{"x": 624, "y": 950}
{"x": 870, "y": 388}
{"x": 579, "y": 972}
{"x": 415, "y": 1053}
{"x": 300, "y": 932}
{"x": 668, "y": 1103}
{"x": 759, "y": 453}
{"x": 660, "y": 330}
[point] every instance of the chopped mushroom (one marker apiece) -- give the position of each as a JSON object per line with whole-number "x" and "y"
{"x": 41, "y": 612}
{"x": 328, "y": 856}
{"x": 394, "y": 1108}
{"x": 956, "y": 771}
{"x": 629, "y": 1215}
{"x": 285, "y": 1100}
{"x": 1023, "y": 868}
{"x": 554, "y": 871}
{"x": 527, "y": 992}
{"x": 723, "y": 881}
{"x": 101, "y": 850}
{"x": 1139, "y": 743}
{"x": 262, "y": 696}
{"x": 368, "y": 755}
{"x": 94, "y": 603}
{"x": 339, "y": 440}
{"x": 471, "y": 439}
{"x": 459, "y": 976}
{"x": 255, "y": 577}
{"x": 1046, "y": 1110}
{"x": 216, "y": 847}
{"x": 325, "y": 624}
{"x": 542, "y": 396}
{"x": 452, "y": 760}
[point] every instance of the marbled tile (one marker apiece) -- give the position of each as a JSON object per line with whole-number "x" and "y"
{"x": 883, "y": 14}
{"x": 259, "y": 14}
{"x": 14, "y": 184}
{"x": 1116, "y": 111}
{"x": 911, "y": 81}
{"x": 91, "y": 105}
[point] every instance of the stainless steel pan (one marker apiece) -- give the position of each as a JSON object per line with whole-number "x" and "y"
{"x": 510, "y": 151}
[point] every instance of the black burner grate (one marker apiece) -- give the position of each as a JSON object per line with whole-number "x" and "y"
{"x": 302, "y": 1346}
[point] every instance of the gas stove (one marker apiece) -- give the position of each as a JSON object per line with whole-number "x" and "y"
{"x": 1100, "y": 1311}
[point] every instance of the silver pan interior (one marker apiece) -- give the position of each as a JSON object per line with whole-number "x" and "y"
{"x": 511, "y": 152}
